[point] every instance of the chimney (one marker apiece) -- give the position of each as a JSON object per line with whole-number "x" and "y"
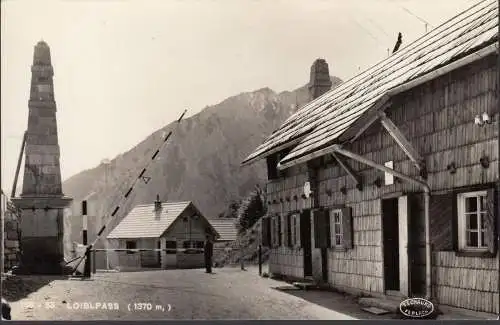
{"x": 320, "y": 81}
{"x": 157, "y": 203}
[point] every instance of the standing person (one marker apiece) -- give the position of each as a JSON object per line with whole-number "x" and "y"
{"x": 208, "y": 251}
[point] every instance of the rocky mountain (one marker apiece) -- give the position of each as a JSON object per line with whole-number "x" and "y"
{"x": 201, "y": 161}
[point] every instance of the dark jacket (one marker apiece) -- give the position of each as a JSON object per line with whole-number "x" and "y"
{"x": 208, "y": 248}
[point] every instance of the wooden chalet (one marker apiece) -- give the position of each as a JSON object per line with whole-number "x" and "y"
{"x": 385, "y": 185}
{"x": 177, "y": 228}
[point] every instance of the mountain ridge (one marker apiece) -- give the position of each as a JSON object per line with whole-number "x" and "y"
{"x": 200, "y": 162}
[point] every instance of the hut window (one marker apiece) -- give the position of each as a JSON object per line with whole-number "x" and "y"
{"x": 389, "y": 178}
{"x": 130, "y": 245}
{"x": 193, "y": 244}
{"x": 337, "y": 234}
{"x": 472, "y": 224}
{"x": 171, "y": 246}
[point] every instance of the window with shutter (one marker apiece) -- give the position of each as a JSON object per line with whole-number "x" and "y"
{"x": 476, "y": 221}
{"x": 442, "y": 222}
{"x": 347, "y": 230}
{"x": 336, "y": 233}
{"x": 289, "y": 230}
{"x": 340, "y": 228}
{"x": 280, "y": 231}
{"x": 272, "y": 231}
{"x": 298, "y": 244}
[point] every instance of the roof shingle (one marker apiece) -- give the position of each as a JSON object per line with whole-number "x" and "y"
{"x": 141, "y": 222}
{"x": 226, "y": 228}
{"x": 320, "y": 122}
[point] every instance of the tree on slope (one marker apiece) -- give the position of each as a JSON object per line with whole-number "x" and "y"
{"x": 251, "y": 209}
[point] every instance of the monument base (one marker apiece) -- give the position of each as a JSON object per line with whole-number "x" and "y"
{"x": 42, "y": 256}
{"x": 42, "y": 232}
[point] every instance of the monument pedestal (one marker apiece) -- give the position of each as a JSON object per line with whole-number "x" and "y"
{"x": 42, "y": 230}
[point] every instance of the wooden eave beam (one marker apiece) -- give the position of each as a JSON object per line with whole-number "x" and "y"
{"x": 351, "y": 172}
{"x": 403, "y": 143}
{"x": 338, "y": 149}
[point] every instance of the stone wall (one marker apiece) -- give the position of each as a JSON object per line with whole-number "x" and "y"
{"x": 11, "y": 237}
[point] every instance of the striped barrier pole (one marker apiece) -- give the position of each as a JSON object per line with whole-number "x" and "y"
{"x": 87, "y": 265}
{"x": 127, "y": 194}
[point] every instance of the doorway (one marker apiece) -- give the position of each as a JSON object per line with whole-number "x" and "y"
{"x": 305, "y": 239}
{"x": 390, "y": 234}
{"x": 324, "y": 264}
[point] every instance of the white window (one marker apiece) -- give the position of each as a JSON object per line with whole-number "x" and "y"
{"x": 471, "y": 220}
{"x": 336, "y": 233}
{"x": 389, "y": 178}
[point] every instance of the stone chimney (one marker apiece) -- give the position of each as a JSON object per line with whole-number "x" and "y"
{"x": 320, "y": 81}
{"x": 157, "y": 203}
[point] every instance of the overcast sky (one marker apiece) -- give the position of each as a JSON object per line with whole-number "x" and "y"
{"x": 124, "y": 69}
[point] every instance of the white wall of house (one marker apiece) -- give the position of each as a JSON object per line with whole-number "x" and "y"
{"x": 184, "y": 232}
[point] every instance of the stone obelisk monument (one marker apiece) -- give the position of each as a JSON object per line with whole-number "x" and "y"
{"x": 42, "y": 201}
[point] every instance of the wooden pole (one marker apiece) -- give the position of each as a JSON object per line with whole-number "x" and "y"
{"x": 2, "y": 236}
{"x": 498, "y": 176}
{"x": 19, "y": 164}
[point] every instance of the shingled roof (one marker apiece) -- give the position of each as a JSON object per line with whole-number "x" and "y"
{"x": 226, "y": 228}
{"x": 141, "y": 222}
{"x": 321, "y": 122}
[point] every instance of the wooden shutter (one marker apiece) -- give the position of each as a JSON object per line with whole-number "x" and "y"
{"x": 347, "y": 227}
{"x": 320, "y": 229}
{"x": 328, "y": 235}
{"x": 490, "y": 235}
{"x": 266, "y": 232}
{"x": 297, "y": 230}
{"x": 443, "y": 220}
{"x": 289, "y": 230}
{"x": 279, "y": 230}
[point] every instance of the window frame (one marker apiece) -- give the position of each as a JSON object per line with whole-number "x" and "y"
{"x": 171, "y": 250}
{"x": 129, "y": 249}
{"x": 462, "y": 221}
{"x": 333, "y": 233}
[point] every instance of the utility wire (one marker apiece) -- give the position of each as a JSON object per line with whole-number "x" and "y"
{"x": 419, "y": 18}
{"x": 125, "y": 197}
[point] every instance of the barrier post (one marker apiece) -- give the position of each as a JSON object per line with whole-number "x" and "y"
{"x": 260, "y": 260}
{"x": 93, "y": 260}
{"x": 87, "y": 267}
